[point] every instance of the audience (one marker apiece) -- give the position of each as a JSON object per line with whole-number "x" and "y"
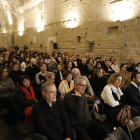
{"x": 114, "y": 66}
{"x": 49, "y": 116}
{"x": 7, "y": 87}
{"x": 66, "y": 84}
{"x": 15, "y": 74}
{"x": 32, "y": 70}
{"x": 114, "y": 99}
{"x": 132, "y": 92}
{"x": 126, "y": 76}
{"x": 77, "y": 109}
{"x": 24, "y": 99}
{"x": 111, "y": 60}
{"x": 99, "y": 81}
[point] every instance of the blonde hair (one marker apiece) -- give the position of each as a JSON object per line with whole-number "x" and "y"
{"x": 113, "y": 77}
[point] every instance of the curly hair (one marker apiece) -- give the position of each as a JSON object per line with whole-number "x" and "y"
{"x": 97, "y": 70}
{"x": 113, "y": 77}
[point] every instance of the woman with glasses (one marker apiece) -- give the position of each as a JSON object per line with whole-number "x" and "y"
{"x": 24, "y": 99}
{"x": 7, "y": 86}
{"x": 126, "y": 75}
{"x": 66, "y": 84}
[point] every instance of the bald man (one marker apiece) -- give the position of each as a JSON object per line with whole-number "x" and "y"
{"x": 32, "y": 70}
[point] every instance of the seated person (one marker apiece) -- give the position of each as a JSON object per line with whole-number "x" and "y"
{"x": 84, "y": 68}
{"x": 50, "y": 76}
{"x": 7, "y": 86}
{"x": 49, "y": 116}
{"x": 130, "y": 67}
{"x": 99, "y": 81}
{"x": 90, "y": 64}
{"x": 66, "y": 84}
{"x": 126, "y": 75}
{"x": 25, "y": 63}
{"x": 24, "y": 99}
{"x": 114, "y": 99}
{"x": 89, "y": 93}
{"x": 77, "y": 109}
{"x": 78, "y": 61}
{"x": 102, "y": 60}
{"x": 114, "y": 66}
{"x": 52, "y": 65}
{"x": 132, "y": 92}
{"x": 58, "y": 75}
{"x": 40, "y": 77}
{"x": 137, "y": 69}
{"x": 68, "y": 65}
{"x": 15, "y": 73}
{"x": 108, "y": 68}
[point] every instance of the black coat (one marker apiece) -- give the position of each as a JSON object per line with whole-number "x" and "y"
{"x": 47, "y": 119}
{"x": 14, "y": 75}
{"x": 57, "y": 78}
{"x": 20, "y": 103}
{"x": 98, "y": 84}
{"x": 84, "y": 69}
{"x": 106, "y": 69}
{"x": 132, "y": 95}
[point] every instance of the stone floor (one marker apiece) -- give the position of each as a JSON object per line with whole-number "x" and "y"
{"x": 11, "y": 134}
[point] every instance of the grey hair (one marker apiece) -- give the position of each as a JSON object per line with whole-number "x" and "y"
{"x": 45, "y": 85}
{"x": 75, "y": 71}
{"x": 49, "y": 74}
{"x": 78, "y": 79}
{"x": 32, "y": 60}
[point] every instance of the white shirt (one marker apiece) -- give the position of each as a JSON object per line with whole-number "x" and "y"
{"x": 108, "y": 97}
{"x": 115, "y": 68}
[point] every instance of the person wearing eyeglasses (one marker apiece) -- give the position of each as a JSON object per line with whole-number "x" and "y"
{"x": 7, "y": 87}
{"x": 49, "y": 116}
{"x": 77, "y": 108}
{"x": 126, "y": 75}
{"x": 52, "y": 65}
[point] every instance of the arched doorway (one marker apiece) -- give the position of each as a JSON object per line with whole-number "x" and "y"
{"x": 31, "y": 45}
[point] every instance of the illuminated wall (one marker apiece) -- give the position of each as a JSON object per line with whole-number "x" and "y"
{"x": 81, "y": 26}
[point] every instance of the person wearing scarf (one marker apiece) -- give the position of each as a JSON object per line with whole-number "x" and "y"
{"x": 24, "y": 99}
{"x": 114, "y": 99}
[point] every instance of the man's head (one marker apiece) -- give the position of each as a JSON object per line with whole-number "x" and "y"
{"x": 97, "y": 59}
{"x": 37, "y": 57}
{"x": 33, "y": 62}
{"x": 75, "y": 72}
{"x": 56, "y": 55}
{"x": 50, "y": 76}
{"x": 43, "y": 67}
{"x": 135, "y": 77}
{"x": 70, "y": 59}
{"x": 129, "y": 64}
{"x": 84, "y": 61}
{"x": 78, "y": 57}
{"x": 53, "y": 61}
{"x": 107, "y": 63}
{"x": 80, "y": 84}
{"x": 138, "y": 65}
{"x": 15, "y": 67}
{"x": 49, "y": 92}
{"x": 59, "y": 67}
{"x": 123, "y": 67}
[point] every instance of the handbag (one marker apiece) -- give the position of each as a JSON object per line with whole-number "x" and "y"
{"x": 124, "y": 115}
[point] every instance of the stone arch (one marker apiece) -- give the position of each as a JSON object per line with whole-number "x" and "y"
{"x": 31, "y": 45}
{"x": 50, "y": 42}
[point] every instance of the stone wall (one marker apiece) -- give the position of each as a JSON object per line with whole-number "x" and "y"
{"x": 80, "y": 26}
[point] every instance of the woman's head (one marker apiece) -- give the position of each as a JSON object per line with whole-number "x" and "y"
{"x": 138, "y": 65}
{"x": 67, "y": 75}
{"x": 98, "y": 64}
{"x": 115, "y": 61}
{"x": 24, "y": 81}
{"x": 100, "y": 72}
{"x": 90, "y": 61}
{"x": 59, "y": 67}
{"x": 111, "y": 59}
{"x": 10, "y": 63}
{"x": 116, "y": 79}
{"x": 123, "y": 67}
{"x": 3, "y": 72}
{"x": 68, "y": 65}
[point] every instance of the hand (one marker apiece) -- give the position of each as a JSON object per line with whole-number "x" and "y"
{"x": 91, "y": 97}
{"x": 67, "y": 139}
{"x": 0, "y": 85}
{"x": 42, "y": 81}
{"x": 61, "y": 97}
{"x": 76, "y": 93}
{"x": 95, "y": 107}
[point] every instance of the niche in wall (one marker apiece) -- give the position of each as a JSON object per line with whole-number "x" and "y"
{"x": 40, "y": 46}
{"x": 78, "y": 39}
{"x": 112, "y": 32}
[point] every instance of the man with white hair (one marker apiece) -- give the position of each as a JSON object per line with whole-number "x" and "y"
{"x": 84, "y": 68}
{"x": 49, "y": 116}
{"x": 90, "y": 93}
{"x": 32, "y": 70}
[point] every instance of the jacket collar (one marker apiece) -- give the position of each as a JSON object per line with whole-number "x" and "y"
{"x": 134, "y": 84}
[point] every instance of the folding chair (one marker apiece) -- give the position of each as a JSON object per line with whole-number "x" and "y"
{"x": 133, "y": 127}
